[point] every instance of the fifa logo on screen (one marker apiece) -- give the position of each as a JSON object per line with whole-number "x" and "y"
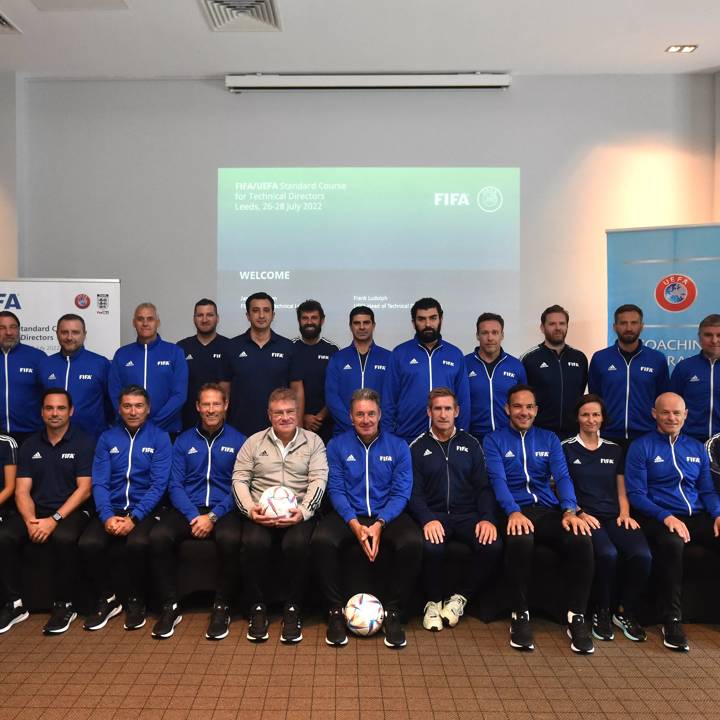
{"x": 451, "y": 199}
{"x": 9, "y": 301}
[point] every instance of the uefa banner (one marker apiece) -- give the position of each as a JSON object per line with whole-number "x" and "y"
{"x": 673, "y": 274}
{"x": 40, "y": 302}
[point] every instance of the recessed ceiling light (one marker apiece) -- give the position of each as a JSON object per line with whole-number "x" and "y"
{"x": 681, "y": 48}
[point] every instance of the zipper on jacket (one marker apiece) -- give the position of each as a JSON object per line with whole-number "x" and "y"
{"x": 367, "y": 475}
{"x": 712, "y": 386}
{"x": 129, "y": 468}
{"x": 525, "y": 470}
{"x": 447, "y": 468}
{"x": 67, "y": 372}
{"x": 672, "y": 451}
{"x": 145, "y": 367}
{"x": 209, "y": 467}
{"x": 627, "y": 390}
{"x": 562, "y": 391}
{"x": 490, "y": 377}
{"x": 362, "y": 366}
{"x": 7, "y": 393}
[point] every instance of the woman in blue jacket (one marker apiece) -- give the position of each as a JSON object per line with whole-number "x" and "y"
{"x": 596, "y": 466}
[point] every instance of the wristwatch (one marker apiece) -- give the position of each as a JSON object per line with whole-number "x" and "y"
{"x": 213, "y": 517}
{"x": 57, "y": 517}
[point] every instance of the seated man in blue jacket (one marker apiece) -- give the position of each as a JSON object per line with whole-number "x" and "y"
{"x": 451, "y": 499}
{"x": 369, "y": 485}
{"x": 129, "y": 476}
{"x": 203, "y": 507}
{"x": 521, "y": 461}
{"x": 154, "y": 364}
{"x": 667, "y": 477}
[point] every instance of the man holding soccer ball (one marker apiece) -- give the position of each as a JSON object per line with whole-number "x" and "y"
{"x": 287, "y": 456}
{"x": 369, "y": 485}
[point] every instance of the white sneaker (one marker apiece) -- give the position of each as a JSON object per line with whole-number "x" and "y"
{"x": 432, "y": 619}
{"x": 452, "y": 609}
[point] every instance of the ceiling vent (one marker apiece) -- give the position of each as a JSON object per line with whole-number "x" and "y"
{"x": 6, "y": 27}
{"x": 241, "y": 15}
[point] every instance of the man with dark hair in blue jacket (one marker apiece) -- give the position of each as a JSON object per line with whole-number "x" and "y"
{"x": 451, "y": 500}
{"x": 83, "y": 373}
{"x": 20, "y": 383}
{"x": 419, "y": 365}
{"x": 695, "y": 380}
{"x": 369, "y": 483}
{"x": 203, "y": 507}
{"x": 667, "y": 477}
{"x": 521, "y": 461}
{"x": 155, "y": 365}
{"x": 130, "y": 475}
{"x": 628, "y": 376}
{"x": 362, "y": 364}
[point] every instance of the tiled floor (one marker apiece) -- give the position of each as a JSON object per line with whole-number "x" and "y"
{"x": 469, "y": 672}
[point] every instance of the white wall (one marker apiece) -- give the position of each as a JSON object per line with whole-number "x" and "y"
{"x": 121, "y": 176}
{"x": 8, "y": 177}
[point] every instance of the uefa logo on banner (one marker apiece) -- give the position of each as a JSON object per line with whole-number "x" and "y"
{"x": 82, "y": 301}
{"x": 675, "y": 293}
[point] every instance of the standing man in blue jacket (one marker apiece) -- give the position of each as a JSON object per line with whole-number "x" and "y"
{"x": 667, "y": 477}
{"x": 628, "y": 376}
{"x": 202, "y": 507}
{"x": 20, "y": 381}
{"x": 491, "y": 373}
{"x": 419, "y": 365}
{"x": 521, "y": 461}
{"x": 83, "y": 373}
{"x": 155, "y": 365}
{"x": 697, "y": 381}
{"x": 369, "y": 483}
{"x": 130, "y": 475}
{"x": 451, "y": 500}
{"x": 362, "y": 364}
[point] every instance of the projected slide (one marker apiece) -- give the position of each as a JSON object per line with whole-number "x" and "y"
{"x": 381, "y": 237}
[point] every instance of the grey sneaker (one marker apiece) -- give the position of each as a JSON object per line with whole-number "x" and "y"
{"x": 432, "y": 618}
{"x": 453, "y": 608}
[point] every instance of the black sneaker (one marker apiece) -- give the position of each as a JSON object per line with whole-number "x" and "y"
{"x": 392, "y": 627}
{"x": 12, "y": 613}
{"x": 291, "y": 625}
{"x": 219, "y": 625}
{"x": 105, "y": 610}
{"x": 602, "y": 628}
{"x": 258, "y": 625}
{"x": 631, "y": 628}
{"x": 134, "y": 614}
{"x": 62, "y": 615}
{"x": 521, "y": 637}
{"x": 169, "y": 618}
{"x": 579, "y": 634}
{"x": 674, "y": 636}
{"x": 337, "y": 628}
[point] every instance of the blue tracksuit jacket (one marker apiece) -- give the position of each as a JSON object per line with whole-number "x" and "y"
{"x": 345, "y": 374}
{"x": 374, "y": 480}
{"x": 21, "y": 388}
{"x": 201, "y": 474}
{"x": 413, "y": 373}
{"x": 669, "y": 478}
{"x": 697, "y": 379}
{"x": 520, "y": 466}
{"x": 628, "y": 389}
{"x": 488, "y": 391}
{"x": 84, "y": 374}
{"x": 130, "y": 472}
{"x": 159, "y": 367}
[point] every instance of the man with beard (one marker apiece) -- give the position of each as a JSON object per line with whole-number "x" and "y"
{"x": 20, "y": 384}
{"x": 557, "y": 373}
{"x": 628, "y": 376}
{"x": 260, "y": 361}
{"x": 419, "y": 365}
{"x": 313, "y": 354}
{"x": 84, "y": 374}
{"x": 362, "y": 364}
{"x": 694, "y": 378}
{"x": 207, "y": 355}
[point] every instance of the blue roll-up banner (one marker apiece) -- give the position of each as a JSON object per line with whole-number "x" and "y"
{"x": 673, "y": 274}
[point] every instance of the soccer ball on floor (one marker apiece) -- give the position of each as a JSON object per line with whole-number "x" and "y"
{"x": 278, "y": 501}
{"x": 364, "y": 614}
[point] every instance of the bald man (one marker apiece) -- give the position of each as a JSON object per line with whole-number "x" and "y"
{"x": 667, "y": 476}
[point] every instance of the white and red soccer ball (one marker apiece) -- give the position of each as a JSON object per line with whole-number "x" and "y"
{"x": 278, "y": 501}
{"x": 364, "y": 614}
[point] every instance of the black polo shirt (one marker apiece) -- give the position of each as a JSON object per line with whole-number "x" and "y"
{"x": 206, "y": 364}
{"x": 312, "y": 362}
{"x": 54, "y": 469}
{"x": 256, "y": 372}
